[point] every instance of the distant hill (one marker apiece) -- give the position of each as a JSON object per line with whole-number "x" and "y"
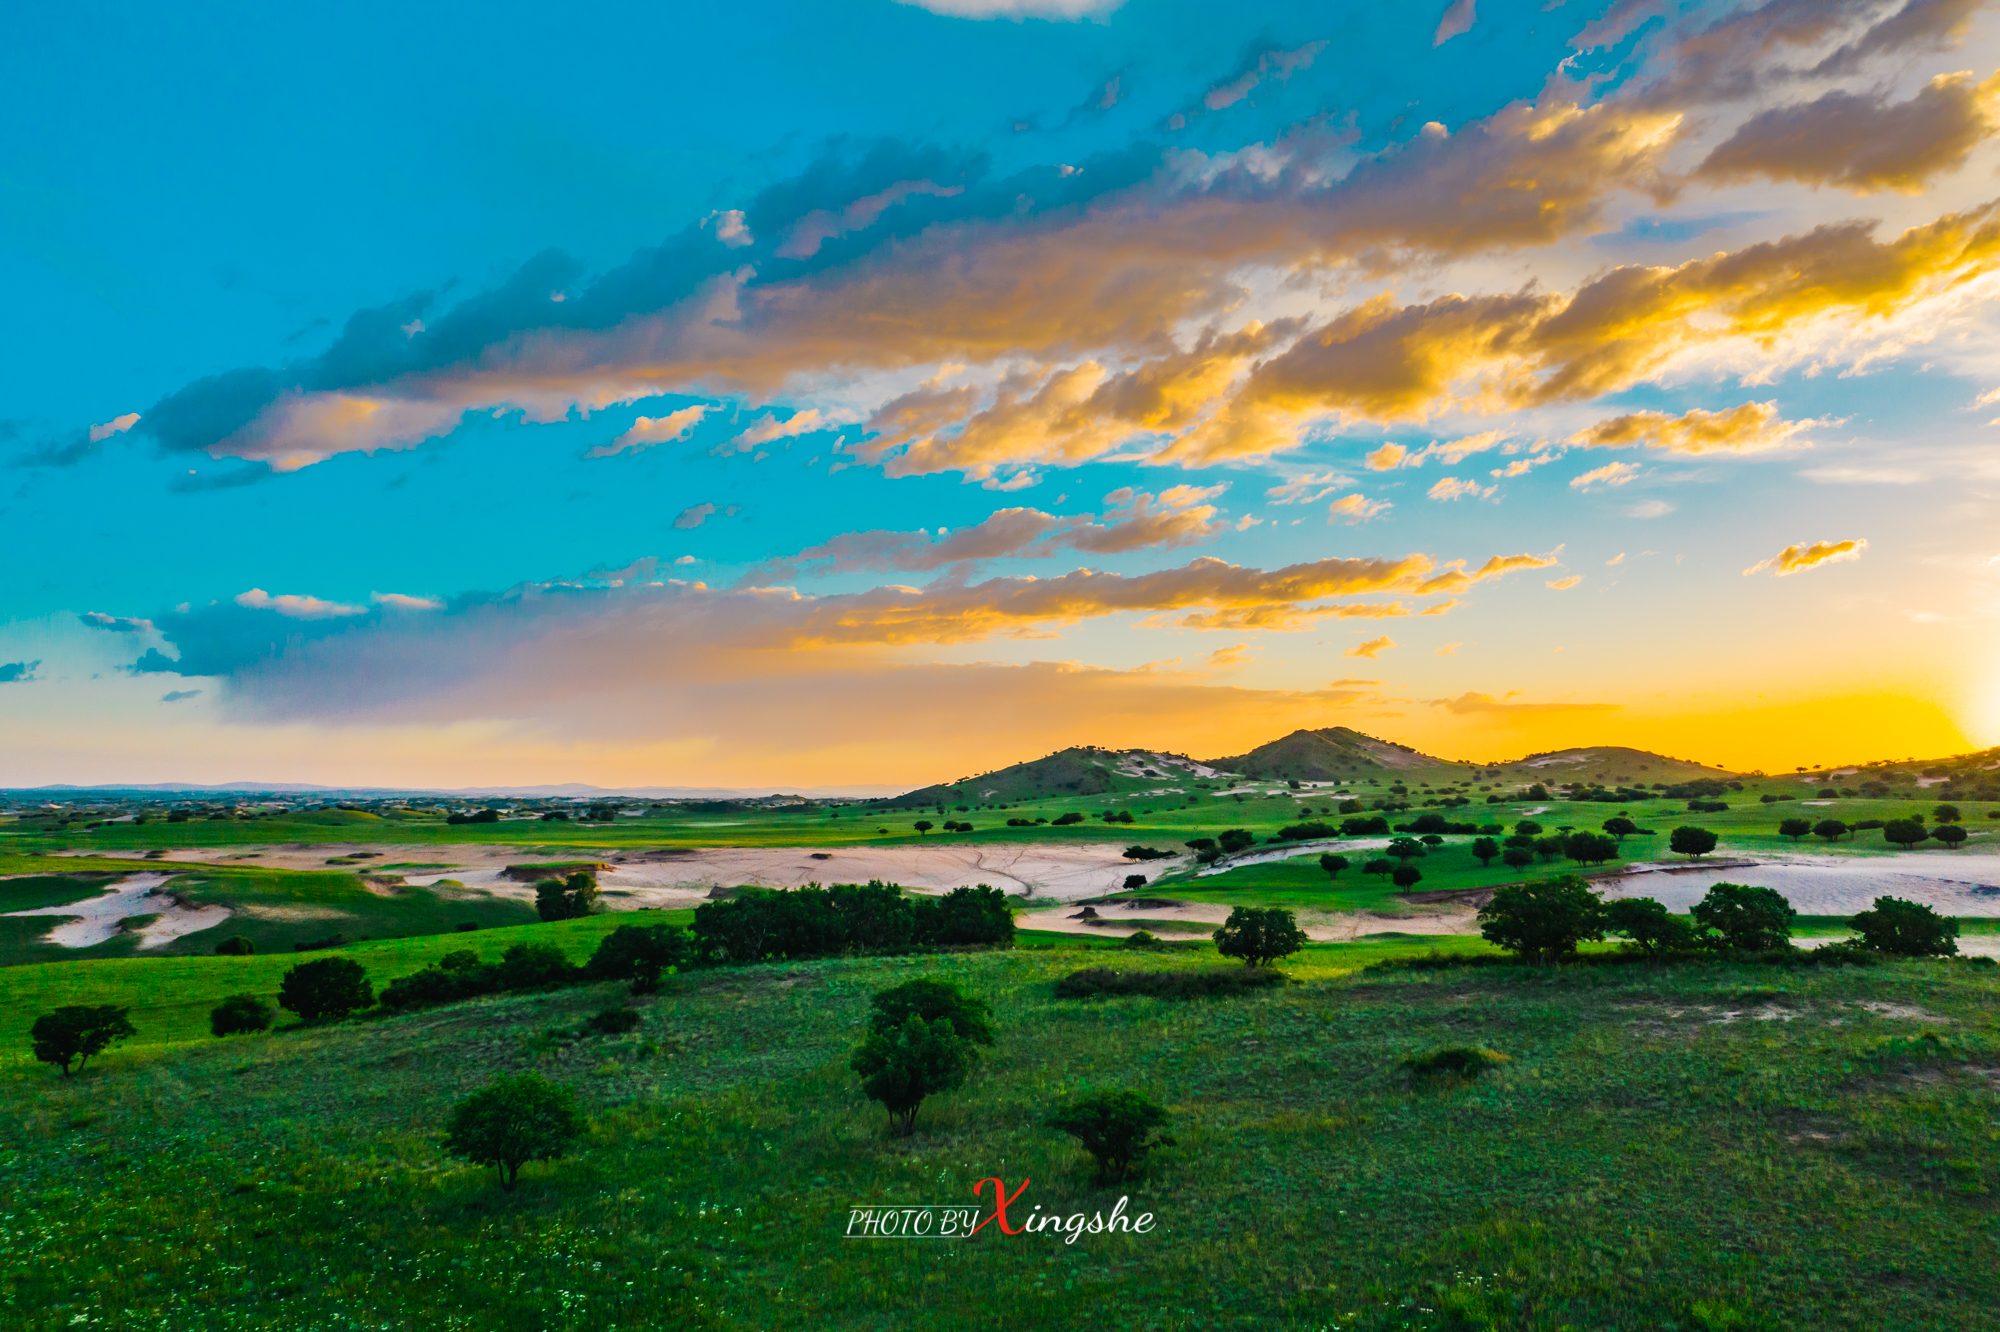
{"x": 1609, "y": 764}
{"x": 1082, "y": 770}
{"x": 1335, "y": 754}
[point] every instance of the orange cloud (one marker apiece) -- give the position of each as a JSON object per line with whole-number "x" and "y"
{"x": 1797, "y": 559}
{"x": 1371, "y": 649}
{"x": 1469, "y": 703}
{"x": 1751, "y": 428}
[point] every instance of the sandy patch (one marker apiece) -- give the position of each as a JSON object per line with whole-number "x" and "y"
{"x": 93, "y": 920}
{"x": 1118, "y": 919}
{"x": 1956, "y": 883}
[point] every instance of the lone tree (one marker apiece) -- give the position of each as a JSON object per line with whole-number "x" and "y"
{"x": 1115, "y": 1127}
{"x": 1620, "y": 827}
{"x": 1543, "y": 922}
{"x": 1381, "y": 866}
{"x": 1947, "y": 814}
{"x": 1406, "y": 848}
{"x": 1794, "y": 829}
{"x": 512, "y": 1122}
{"x": 71, "y": 1035}
{"x": 925, "y": 825}
{"x": 1259, "y": 935}
{"x": 1332, "y": 864}
{"x": 933, "y": 1000}
{"x": 1517, "y": 857}
{"x": 1950, "y": 834}
{"x": 901, "y": 1066}
{"x": 1906, "y": 929}
{"x": 239, "y": 1015}
{"x": 1588, "y": 848}
{"x": 1406, "y": 875}
{"x": 330, "y": 988}
{"x": 1485, "y": 848}
{"x": 1831, "y": 830}
{"x": 1692, "y": 841}
{"x": 1753, "y": 920}
{"x": 1905, "y": 833}
{"x": 566, "y": 899}
{"x": 1649, "y": 924}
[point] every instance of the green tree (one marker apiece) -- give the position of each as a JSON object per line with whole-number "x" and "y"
{"x": 925, "y": 825}
{"x": 235, "y": 947}
{"x": 239, "y": 1015}
{"x": 1332, "y": 864}
{"x": 1485, "y": 848}
{"x": 1947, "y": 814}
{"x": 1406, "y": 875}
{"x": 1752, "y": 920}
{"x": 1649, "y": 924}
{"x": 329, "y": 988}
{"x": 933, "y": 1000}
{"x": 1906, "y": 929}
{"x": 1794, "y": 828}
{"x": 514, "y": 1121}
{"x": 549, "y": 904}
{"x": 1548, "y": 848}
{"x": 1527, "y": 828}
{"x": 1544, "y": 921}
{"x": 1950, "y": 834}
{"x": 1381, "y": 866}
{"x": 1406, "y": 848}
{"x": 1116, "y": 1127}
{"x": 902, "y": 1066}
{"x": 1692, "y": 841}
{"x": 1518, "y": 857}
{"x": 1905, "y": 833}
{"x": 1259, "y": 935}
{"x": 1830, "y": 829}
{"x": 580, "y": 896}
{"x": 1232, "y": 840}
{"x": 72, "y": 1034}
{"x": 1588, "y": 848}
{"x": 1620, "y": 827}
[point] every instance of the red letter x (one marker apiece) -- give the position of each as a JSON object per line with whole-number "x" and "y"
{"x": 1000, "y": 1200}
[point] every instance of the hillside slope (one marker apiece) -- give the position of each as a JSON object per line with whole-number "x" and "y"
{"x": 1334, "y": 754}
{"x": 1082, "y": 770}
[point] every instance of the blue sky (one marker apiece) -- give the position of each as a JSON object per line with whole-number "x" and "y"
{"x": 434, "y": 394}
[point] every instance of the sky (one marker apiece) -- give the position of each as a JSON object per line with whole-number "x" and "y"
{"x": 874, "y": 392}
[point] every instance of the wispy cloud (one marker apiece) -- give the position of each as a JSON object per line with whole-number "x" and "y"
{"x": 1797, "y": 559}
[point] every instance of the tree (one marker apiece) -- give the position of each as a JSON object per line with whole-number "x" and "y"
{"x": 1232, "y": 840}
{"x": 512, "y": 1122}
{"x": 1517, "y": 857}
{"x": 549, "y": 900}
{"x": 1620, "y": 827}
{"x": 1649, "y": 924}
{"x": 332, "y": 987}
{"x": 236, "y": 947}
{"x": 580, "y": 894}
{"x": 1381, "y": 866}
{"x": 1543, "y": 922}
{"x": 1906, "y": 929}
{"x": 1905, "y": 833}
{"x": 1947, "y": 814}
{"x": 1830, "y": 829}
{"x": 1332, "y": 864}
{"x": 1115, "y": 1127}
{"x": 239, "y": 1015}
{"x": 1794, "y": 829}
{"x": 1950, "y": 834}
{"x": 1527, "y": 828}
{"x": 74, "y": 1033}
{"x": 1692, "y": 841}
{"x": 903, "y": 1065}
{"x": 925, "y": 825}
{"x": 1407, "y": 848}
{"x": 1259, "y": 935}
{"x": 1588, "y": 848}
{"x": 1485, "y": 848}
{"x": 1548, "y": 848}
{"x": 1753, "y": 920}
{"x": 1406, "y": 875}
{"x": 933, "y": 1000}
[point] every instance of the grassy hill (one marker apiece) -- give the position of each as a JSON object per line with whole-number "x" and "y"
{"x": 1079, "y": 771}
{"x": 1653, "y": 1156}
{"x": 1335, "y": 754}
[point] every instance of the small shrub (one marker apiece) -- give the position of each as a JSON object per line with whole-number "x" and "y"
{"x": 1116, "y": 1127}
{"x": 239, "y": 1015}
{"x": 1139, "y": 939}
{"x": 512, "y": 1122}
{"x": 904, "y": 1066}
{"x": 72, "y": 1034}
{"x": 614, "y": 1021}
{"x": 236, "y": 947}
{"x": 328, "y": 989}
{"x": 1103, "y": 982}
{"x": 1906, "y": 929}
{"x": 459, "y": 959}
{"x": 1455, "y": 1062}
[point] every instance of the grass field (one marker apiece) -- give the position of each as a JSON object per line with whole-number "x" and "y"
{"x": 1698, "y": 1146}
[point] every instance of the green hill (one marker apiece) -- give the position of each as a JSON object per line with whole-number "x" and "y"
{"x": 1608, "y": 764}
{"x": 1335, "y": 754}
{"x": 1079, "y": 771}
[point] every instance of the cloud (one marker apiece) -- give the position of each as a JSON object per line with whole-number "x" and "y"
{"x": 1388, "y": 458}
{"x": 1229, "y": 656}
{"x": 1356, "y": 508}
{"x": 1797, "y": 559}
{"x": 1456, "y": 580}
{"x": 1865, "y": 476}
{"x": 1451, "y": 488}
{"x": 1649, "y": 509}
{"x": 1016, "y": 9}
{"x": 1348, "y": 684}
{"x": 730, "y": 228}
{"x": 1564, "y": 584}
{"x": 1862, "y": 142}
{"x": 296, "y": 607}
{"x": 1449, "y": 649}
{"x": 1611, "y": 474}
{"x": 768, "y": 428}
{"x": 647, "y": 431}
{"x": 179, "y": 695}
{"x": 1619, "y": 558}
{"x": 403, "y": 601}
{"x": 117, "y": 425}
{"x": 17, "y": 672}
{"x": 1266, "y": 64}
{"x": 1457, "y": 19}
{"x": 1753, "y": 427}
{"x": 1307, "y": 488}
{"x": 822, "y": 224}
{"x": 116, "y": 624}
{"x": 1370, "y": 649}
{"x": 1469, "y": 703}
{"x": 693, "y": 516}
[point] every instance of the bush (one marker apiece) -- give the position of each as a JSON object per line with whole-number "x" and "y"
{"x": 1906, "y": 929}
{"x": 1332, "y": 864}
{"x": 634, "y": 950}
{"x": 512, "y": 1122}
{"x": 1649, "y": 924}
{"x": 1588, "y": 848}
{"x": 1213, "y": 982}
{"x": 1746, "y": 919}
{"x": 1135, "y": 881}
{"x": 530, "y": 965}
{"x": 1517, "y": 857}
{"x": 903, "y": 1066}
{"x": 567, "y": 899}
{"x": 1065, "y": 820}
{"x": 1830, "y": 829}
{"x": 239, "y": 1015}
{"x": 72, "y": 1034}
{"x": 933, "y": 1000}
{"x": 1300, "y": 832}
{"x": 1454, "y": 1062}
{"x": 236, "y": 947}
{"x": 1905, "y": 833}
{"x": 1381, "y": 866}
{"x": 1544, "y": 921}
{"x": 1145, "y": 853}
{"x": 328, "y": 989}
{"x": 1232, "y": 840}
{"x": 613, "y": 1021}
{"x": 1794, "y": 828}
{"x": 1692, "y": 841}
{"x": 1485, "y": 848}
{"x": 1259, "y": 935}
{"x": 1373, "y": 825}
{"x": 459, "y": 959}
{"x": 1116, "y": 1127}
{"x": 1406, "y": 876}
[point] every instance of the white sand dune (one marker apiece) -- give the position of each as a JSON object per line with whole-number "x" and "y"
{"x": 1957, "y": 883}
{"x": 94, "y": 920}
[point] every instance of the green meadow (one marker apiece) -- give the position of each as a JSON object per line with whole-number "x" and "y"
{"x": 1698, "y": 1146}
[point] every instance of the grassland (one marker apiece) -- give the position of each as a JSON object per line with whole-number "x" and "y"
{"x": 1697, "y": 1146}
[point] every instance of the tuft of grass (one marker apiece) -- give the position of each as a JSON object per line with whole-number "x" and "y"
{"x": 1103, "y": 982}
{"x": 1461, "y": 1062}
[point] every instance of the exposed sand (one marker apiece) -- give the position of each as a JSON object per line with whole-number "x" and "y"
{"x": 1117, "y": 919}
{"x": 1956, "y": 883}
{"x": 95, "y": 919}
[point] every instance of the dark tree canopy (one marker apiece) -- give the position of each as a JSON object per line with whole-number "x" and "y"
{"x": 1906, "y": 929}
{"x": 239, "y": 1015}
{"x": 1649, "y": 924}
{"x": 1794, "y": 828}
{"x": 72, "y": 1034}
{"x": 1485, "y": 848}
{"x": 901, "y": 1066}
{"x": 1689, "y": 841}
{"x": 1259, "y": 935}
{"x": 1905, "y": 833}
{"x": 1332, "y": 864}
{"x": 512, "y": 1122}
{"x": 1545, "y": 921}
{"x": 933, "y": 1000}
{"x": 1831, "y": 830}
{"x": 1751, "y": 919}
{"x": 331, "y": 987}
{"x": 1115, "y": 1127}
